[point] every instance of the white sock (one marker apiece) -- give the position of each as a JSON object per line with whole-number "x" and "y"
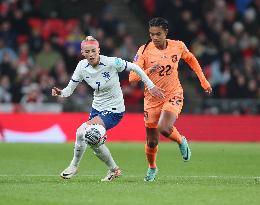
{"x": 78, "y": 154}
{"x": 103, "y": 153}
{"x": 79, "y": 147}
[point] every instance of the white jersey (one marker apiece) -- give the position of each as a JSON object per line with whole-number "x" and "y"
{"x": 104, "y": 79}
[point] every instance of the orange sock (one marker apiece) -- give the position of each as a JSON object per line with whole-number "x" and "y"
{"x": 175, "y": 136}
{"x": 151, "y": 155}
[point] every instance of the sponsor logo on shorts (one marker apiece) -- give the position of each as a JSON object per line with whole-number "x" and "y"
{"x": 175, "y": 100}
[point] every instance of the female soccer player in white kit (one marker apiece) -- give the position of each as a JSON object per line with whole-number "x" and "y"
{"x": 101, "y": 73}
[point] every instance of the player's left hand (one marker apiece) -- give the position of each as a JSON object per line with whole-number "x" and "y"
{"x": 157, "y": 92}
{"x": 208, "y": 90}
{"x": 55, "y": 91}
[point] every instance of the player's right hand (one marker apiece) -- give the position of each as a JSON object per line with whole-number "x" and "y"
{"x": 157, "y": 92}
{"x": 208, "y": 90}
{"x": 55, "y": 91}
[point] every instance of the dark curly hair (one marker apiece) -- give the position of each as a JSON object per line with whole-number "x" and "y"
{"x": 157, "y": 22}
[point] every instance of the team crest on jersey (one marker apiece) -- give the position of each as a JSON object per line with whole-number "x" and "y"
{"x": 106, "y": 75}
{"x": 174, "y": 58}
{"x": 136, "y": 57}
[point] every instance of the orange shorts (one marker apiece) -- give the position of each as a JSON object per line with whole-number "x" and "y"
{"x": 152, "y": 115}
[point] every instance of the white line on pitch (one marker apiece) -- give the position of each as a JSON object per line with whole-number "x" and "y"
{"x": 135, "y": 176}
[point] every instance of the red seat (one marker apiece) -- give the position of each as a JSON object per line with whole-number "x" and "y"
{"x": 71, "y": 24}
{"x": 35, "y": 23}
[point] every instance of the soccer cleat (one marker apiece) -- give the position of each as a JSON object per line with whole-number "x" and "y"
{"x": 112, "y": 174}
{"x": 69, "y": 172}
{"x": 185, "y": 150}
{"x": 151, "y": 174}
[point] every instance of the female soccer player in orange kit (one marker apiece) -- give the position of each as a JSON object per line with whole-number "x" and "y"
{"x": 159, "y": 58}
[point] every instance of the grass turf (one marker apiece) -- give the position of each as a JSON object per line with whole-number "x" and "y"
{"x": 217, "y": 174}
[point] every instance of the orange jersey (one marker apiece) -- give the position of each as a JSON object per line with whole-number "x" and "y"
{"x": 166, "y": 77}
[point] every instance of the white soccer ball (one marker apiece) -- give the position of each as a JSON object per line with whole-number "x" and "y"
{"x": 95, "y": 134}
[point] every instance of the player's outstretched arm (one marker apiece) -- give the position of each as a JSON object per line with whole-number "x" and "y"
{"x": 75, "y": 79}
{"x": 154, "y": 91}
{"x": 134, "y": 77}
{"x": 195, "y": 66}
{"x": 66, "y": 92}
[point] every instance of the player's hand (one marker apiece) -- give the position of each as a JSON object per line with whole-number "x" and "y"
{"x": 157, "y": 92}
{"x": 208, "y": 90}
{"x": 55, "y": 91}
{"x": 154, "y": 68}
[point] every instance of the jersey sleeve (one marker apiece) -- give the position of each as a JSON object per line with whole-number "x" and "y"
{"x": 139, "y": 71}
{"x": 77, "y": 76}
{"x": 189, "y": 58}
{"x": 119, "y": 64}
{"x": 74, "y": 81}
{"x": 139, "y": 60}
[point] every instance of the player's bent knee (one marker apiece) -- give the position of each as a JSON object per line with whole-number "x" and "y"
{"x": 165, "y": 131}
{"x": 95, "y": 135}
{"x": 152, "y": 143}
{"x": 81, "y": 129}
{"x": 81, "y": 132}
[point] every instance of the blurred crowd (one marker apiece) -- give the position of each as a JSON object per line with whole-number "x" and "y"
{"x": 41, "y": 50}
{"x": 40, "y": 47}
{"x": 224, "y": 35}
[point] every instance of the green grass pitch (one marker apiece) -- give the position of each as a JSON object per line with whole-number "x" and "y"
{"x": 217, "y": 174}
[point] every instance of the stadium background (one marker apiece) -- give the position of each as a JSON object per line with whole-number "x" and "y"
{"x": 40, "y": 48}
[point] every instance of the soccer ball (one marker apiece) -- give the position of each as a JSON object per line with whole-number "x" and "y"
{"x": 95, "y": 135}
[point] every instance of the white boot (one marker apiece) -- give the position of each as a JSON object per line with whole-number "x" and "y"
{"x": 112, "y": 174}
{"x": 69, "y": 172}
